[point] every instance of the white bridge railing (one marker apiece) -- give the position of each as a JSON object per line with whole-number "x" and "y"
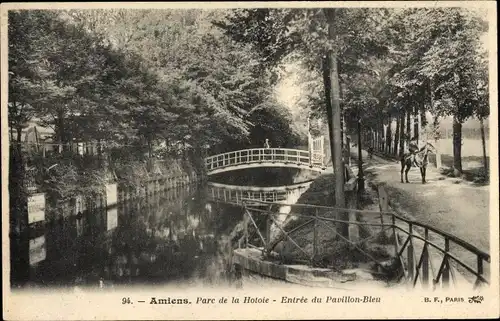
{"x": 283, "y": 156}
{"x": 236, "y": 194}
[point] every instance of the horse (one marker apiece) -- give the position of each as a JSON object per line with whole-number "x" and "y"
{"x": 370, "y": 152}
{"x": 421, "y": 161}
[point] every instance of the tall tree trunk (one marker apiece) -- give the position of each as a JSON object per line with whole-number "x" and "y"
{"x": 337, "y": 157}
{"x": 435, "y": 128}
{"x": 374, "y": 139}
{"x": 402, "y": 134}
{"x": 437, "y": 143}
{"x": 60, "y": 130}
{"x": 416, "y": 123}
{"x": 389, "y": 137}
{"x": 328, "y": 103}
{"x": 408, "y": 125}
{"x": 422, "y": 121}
{"x": 18, "y": 218}
{"x": 342, "y": 130}
{"x": 361, "y": 178}
{"x": 457, "y": 147}
{"x": 19, "y": 131}
{"x": 483, "y": 141}
{"x": 396, "y": 137}
{"x": 381, "y": 137}
{"x": 379, "y": 140}
{"x": 336, "y": 123}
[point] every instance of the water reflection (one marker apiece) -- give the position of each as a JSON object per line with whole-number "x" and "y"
{"x": 172, "y": 236}
{"x": 179, "y": 235}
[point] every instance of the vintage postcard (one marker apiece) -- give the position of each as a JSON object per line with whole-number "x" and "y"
{"x": 249, "y": 160}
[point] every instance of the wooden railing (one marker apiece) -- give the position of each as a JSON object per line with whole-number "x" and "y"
{"x": 320, "y": 217}
{"x": 417, "y": 267}
{"x": 451, "y": 252}
{"x": 413, "y": 267}
{"x": 260, "y": 155}
{"x": 235, "y": 194}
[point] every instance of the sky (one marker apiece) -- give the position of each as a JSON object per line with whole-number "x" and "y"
{"x": 288, "y": 90}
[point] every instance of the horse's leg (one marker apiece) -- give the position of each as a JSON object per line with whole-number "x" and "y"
{"x": 408, "y": 166}
{"x": 424, "y": 169}
{"x": 402, "y": 169}
{"x": 422, "y": 174}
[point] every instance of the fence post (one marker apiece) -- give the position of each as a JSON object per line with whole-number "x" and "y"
{"x": 268, "y": 231}
{"x": 245, "y": 226}
{"x": 411, "y": 262}
{"x": 396, "y": 250}
{"x": 446, "y": 266}
{"x": 310, "y": 148}
{"x": 479, "y": 271}
{"x": 383, "y": 202}
{"x": 315, "y": 238}
{"x": 425, "y": 261}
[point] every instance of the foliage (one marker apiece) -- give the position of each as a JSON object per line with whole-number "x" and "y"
{"x": 164, "y": 82}
{"x": 28, "y": 67}
{"x": 91, "y": 79}
{"x": 301, "y": 35}
{"x": 216, "y": 84}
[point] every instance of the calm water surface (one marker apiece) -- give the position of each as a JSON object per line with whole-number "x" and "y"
{"x": 173, "y": 236}
{"x": 178, "y": 235}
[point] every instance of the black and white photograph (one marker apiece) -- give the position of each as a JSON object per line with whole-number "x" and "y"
{"x": 210, "y": 160}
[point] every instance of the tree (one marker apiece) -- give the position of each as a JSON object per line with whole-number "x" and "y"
{"x": 441, "y": 46}
{"x": 340, "y": 37}
{"x": 219, "y": 88}
{"x": 482, "y": 106}
{"x": 29, "y": 71}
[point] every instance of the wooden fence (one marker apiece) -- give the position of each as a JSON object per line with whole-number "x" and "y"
{"x": 414, "y": 267}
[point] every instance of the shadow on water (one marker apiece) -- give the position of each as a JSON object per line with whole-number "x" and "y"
{"x": 264, "y": 177}
{"x": 176, "y": 236}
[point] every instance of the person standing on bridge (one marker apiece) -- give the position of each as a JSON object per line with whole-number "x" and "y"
{"x": 267, "y": 152}
{"x": 266, "y": 144}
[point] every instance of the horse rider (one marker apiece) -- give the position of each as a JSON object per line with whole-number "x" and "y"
{"x": 370, "y": 152}
{"x": 413, "y": 148}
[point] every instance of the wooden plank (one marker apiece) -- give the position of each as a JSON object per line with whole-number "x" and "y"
{"x": 411, "y": 262}
{"x": 315, "y": 236}
{"x": 268, "y": 229}
{"x": 245, "y": 226}
{"x": 291, "y": 240}
{"x": 256, "y": 227}
{"x": 425, "y": 262}
{"x": 446, "y": 266}
{"x": 383, "y": 201}
{"x": 282, "y": 236}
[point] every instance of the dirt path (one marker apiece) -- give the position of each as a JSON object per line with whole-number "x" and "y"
{"x": 449, "y": 204}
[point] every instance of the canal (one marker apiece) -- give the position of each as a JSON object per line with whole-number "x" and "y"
{"x": 176, "y": 236}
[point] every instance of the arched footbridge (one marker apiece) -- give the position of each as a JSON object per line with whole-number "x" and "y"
{"x": 236, "y": 194}
{"x": 265, "y": 157}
